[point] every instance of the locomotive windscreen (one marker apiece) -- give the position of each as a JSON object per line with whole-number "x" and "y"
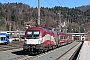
{"x": 33, "y": 34}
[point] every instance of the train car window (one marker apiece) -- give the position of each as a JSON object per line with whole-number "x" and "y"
{"x": 2, "y": 38}
{"x": 65, "y": 37}
{"x": 61, "y": 37}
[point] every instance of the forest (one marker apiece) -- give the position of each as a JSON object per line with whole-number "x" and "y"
{"x": 72, "y": 19}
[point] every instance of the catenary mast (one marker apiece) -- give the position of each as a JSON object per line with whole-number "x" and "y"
{"x": 39, "y": 12}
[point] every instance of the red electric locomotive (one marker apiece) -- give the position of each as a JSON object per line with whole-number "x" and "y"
{"x": 38, "y": 39}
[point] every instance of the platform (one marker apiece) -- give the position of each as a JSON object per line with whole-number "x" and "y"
{"x": 85, "y": 51}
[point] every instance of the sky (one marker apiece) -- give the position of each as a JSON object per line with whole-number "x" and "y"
{"x": 51, "y": 3}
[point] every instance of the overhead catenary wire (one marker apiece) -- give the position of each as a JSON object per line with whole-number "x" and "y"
{"x": 20, "y": 1}
{"x": 48, "y": 3}
{"x": 64, "y": 3}
{"x": 5, "y": 0}
{"x": 52, "y": 3}
{"x": 58, "y": 2}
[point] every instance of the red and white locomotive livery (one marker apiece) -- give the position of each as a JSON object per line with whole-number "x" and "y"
{"x": 38, "y": 39}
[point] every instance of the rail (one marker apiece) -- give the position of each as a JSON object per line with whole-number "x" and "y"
{"x": 71, "y": 53}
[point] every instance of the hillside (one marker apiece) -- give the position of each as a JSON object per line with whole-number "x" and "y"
{"x": 18, "y": 13}
{"x": 84, "y": 8}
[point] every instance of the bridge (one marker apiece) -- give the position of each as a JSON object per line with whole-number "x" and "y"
{"x": 79, "y": 36}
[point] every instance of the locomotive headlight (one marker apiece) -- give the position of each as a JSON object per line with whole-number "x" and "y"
{"x": 40, "y": 38}
{"x": 40, "y": 41}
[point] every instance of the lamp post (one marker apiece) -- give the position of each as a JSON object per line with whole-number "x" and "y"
{"x": 84, "y": 30}
{"x": 59, "y": 21}
{"x": 72, "y": 30}
{"x": 79, "y": 34}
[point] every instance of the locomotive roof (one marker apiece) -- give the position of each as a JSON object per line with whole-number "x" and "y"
{"x": 38, "y": 28}
{"x": 47, "y": 30}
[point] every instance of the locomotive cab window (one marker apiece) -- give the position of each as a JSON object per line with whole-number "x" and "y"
{"x": 36, "y": 33}
{"x": 29, "y": 34}
{"x": 33, "y": 34}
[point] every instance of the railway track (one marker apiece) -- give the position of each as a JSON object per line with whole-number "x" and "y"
{"x": 71, "y": 53}
{"x": 12, "y": 45}
{"x": 62, "y": 53}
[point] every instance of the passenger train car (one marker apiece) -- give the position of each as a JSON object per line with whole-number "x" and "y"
{"x": 4, "y": 38}
{"x": 64, "y": 38}
{"x": 38, "y": 39}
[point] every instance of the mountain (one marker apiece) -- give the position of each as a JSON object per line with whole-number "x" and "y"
{"x": 84, "y": 8}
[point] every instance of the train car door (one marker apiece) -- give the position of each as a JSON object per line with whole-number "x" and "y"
{"x": 56, "y": 37}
